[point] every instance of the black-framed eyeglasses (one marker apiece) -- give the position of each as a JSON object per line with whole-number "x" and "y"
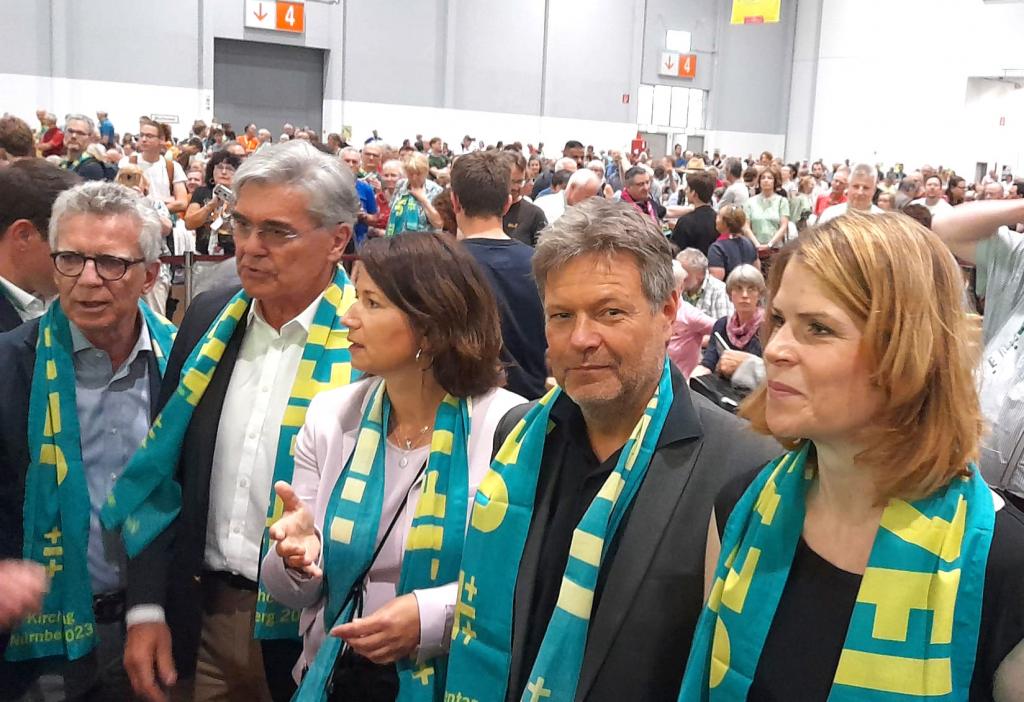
{"x": 109, "y": 268}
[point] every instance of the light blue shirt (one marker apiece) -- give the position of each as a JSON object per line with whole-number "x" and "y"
{"x": 113, "y": 418}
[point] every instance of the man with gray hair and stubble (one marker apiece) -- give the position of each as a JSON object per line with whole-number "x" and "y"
{"x": 859, "y": 192}
{"x": 80, "y": 390}
{"x": 705, "y": 292}
{"x": 78, "y": 135}
{"x": 591, "y": 588}
{"x": 196, "y": 501}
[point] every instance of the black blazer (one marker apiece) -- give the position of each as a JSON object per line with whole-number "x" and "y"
{"x": 652, "y": 582}
{"x": 169, "y": 571}
{"x": 17, "y": 360}
{"x": 9, "y": 317}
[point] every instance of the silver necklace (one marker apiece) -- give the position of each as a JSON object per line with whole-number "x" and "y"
{"x": 403, "y": 461}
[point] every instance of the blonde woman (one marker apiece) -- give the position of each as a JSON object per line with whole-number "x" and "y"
{"x": 412, "y": 207}
{"x": 871, "y": 562}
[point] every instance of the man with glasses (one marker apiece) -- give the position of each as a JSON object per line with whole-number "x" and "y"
{"x": 80, "y": 389}
{"x": 367, "y": 198}
{"x": 166, "y": 178}
{"x": 27, "y": 191}
{"x": 78, "y": 134}
{"x": 523, "y": 220}
{"x": 243, "y": 369}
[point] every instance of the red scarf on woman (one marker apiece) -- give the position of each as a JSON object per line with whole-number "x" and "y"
{"x": 741, "y": 334}
{"x": 648, "y": 209}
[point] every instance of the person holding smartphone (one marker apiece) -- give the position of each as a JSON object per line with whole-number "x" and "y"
{"x": 206, "y": 210}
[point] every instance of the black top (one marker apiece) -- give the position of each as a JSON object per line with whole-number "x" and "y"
{"x": 712, "y": 353}
{"x": 91, "y": 169}
{"x": 732, "y": 252}
{"x": 202, "y": 195}
{"x": 523, "y": 222}
{"x": 802, "y": 650}
{"x": 569, "y": 492}
{"x": 541, "y": 183}
{"x": 696, "y": 229}
{"x": 506, "y": 263}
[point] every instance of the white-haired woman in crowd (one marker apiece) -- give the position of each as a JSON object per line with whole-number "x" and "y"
{"x": 736, "y": 338}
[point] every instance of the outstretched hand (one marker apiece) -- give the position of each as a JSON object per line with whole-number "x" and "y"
{"x": 297, "y": 542}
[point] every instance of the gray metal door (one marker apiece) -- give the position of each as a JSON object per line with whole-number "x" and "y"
{"x": 268, "y": 84}
{"x": 695, "y": 144}
{"x": 657, "y": 144}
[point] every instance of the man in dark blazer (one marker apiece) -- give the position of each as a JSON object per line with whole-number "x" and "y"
{"x": 292, "y": 220}
{"x": 605, "y": 275}
{"x": 28, "y": 189}
{"x": 117, "y": 379}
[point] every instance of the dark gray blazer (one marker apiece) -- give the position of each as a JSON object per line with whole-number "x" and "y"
{"x": 652, "y": 584}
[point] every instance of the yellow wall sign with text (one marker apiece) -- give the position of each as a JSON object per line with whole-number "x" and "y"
{"x": 755, "y": 11}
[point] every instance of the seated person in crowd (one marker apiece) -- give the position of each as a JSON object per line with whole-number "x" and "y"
{"x": 874, "y": 548}
{"x": 733, "y": 248}
{"x": 705, "y": 292}
{"x": 80, "y": 390}
{"x": 425, "y": 330}
{"x": 28, "y": 189}
{"x": 689, "y": 329}
{"x": 735, "y": 338}
{"x": 588, "y": 587}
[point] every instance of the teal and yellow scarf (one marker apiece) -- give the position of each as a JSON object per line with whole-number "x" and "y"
{"x": 146, "y": 498}
{"x": 56, "y": 509}
{"x": 478, "y": 666}
{"x": 914, "y": 629}
{"x": 433, "y": 548}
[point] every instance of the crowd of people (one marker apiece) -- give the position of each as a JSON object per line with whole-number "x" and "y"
{"x": 491, "y": 425}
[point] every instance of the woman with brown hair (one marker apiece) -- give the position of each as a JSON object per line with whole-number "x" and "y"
{"x": 871, "y": 562}
{"x": 386, "y": 470}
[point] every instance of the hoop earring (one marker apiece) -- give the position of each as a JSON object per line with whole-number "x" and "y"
{"x": 419, "y": 352}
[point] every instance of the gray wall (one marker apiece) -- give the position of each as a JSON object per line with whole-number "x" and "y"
{"x": 746, "y": 69}
{"x": 496, "y": 56}
{"x": 556, "y": 58}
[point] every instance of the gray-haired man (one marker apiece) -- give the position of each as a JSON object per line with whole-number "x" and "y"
{"x": 292, "y": 220}
{"x": 80, "y": 388}
{"x": 605, "y": 276}
{"x": 79, "y": 132}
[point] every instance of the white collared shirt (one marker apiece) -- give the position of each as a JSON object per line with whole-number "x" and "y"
{"x": 242, "y": 474}
{"x": 27, "y": 305}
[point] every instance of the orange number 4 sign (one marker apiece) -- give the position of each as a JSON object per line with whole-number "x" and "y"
{"x": 687, "y": 65}
{"x": 290, "y": 17}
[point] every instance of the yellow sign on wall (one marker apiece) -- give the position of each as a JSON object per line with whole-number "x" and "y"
{"x": 755, "y": 11}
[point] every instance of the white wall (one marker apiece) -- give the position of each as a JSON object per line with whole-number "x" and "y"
{"x": 892, "y": 82}
{"x": 396, "y": 122}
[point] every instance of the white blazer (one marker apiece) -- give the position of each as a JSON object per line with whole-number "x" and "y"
{"x": 322, "y": 449}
